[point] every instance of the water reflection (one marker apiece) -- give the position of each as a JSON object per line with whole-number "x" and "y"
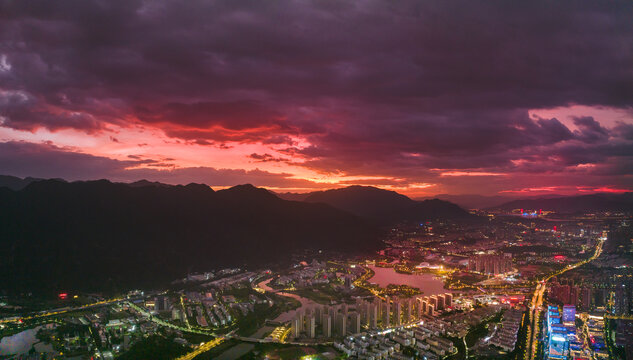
{"x": 22, "y": 342}
{"x": 429, "y": 284}
{"x": 289, "y": 315}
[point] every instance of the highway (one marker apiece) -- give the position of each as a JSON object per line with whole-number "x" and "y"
{"x": 203, "y": 348}
{"x": 537, "y": 301}
{"x": 63, "y": 311}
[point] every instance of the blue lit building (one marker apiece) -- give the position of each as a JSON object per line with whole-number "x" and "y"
{"x": 557, "y": 335}
{"x": 569, "y": 313}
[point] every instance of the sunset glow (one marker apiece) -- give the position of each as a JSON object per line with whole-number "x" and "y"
{"x": 268, "y": 110}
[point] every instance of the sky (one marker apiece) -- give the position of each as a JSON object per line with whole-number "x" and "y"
{"x": 422, "y": 97}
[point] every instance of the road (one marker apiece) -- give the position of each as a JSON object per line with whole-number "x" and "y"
{"x": 59, "y": 312}
{"x": 203, "y": 348}
{"x": 537, "y": 301}
{"x": 168, "y": 324}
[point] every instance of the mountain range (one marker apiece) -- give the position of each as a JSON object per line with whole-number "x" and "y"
{"x": 384, "y": 206}
{"x": 574, "y": 204}
{"x": 57, "y": 235}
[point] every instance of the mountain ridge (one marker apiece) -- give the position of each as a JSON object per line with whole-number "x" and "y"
{"x": 386, "y": 206}
{"x": 61, "y": 236}
{"x": 574, "y": 204}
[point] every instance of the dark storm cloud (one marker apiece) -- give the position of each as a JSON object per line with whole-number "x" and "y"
{"x": 235, "y": 115}
{"x": 49, "y": 161}
{"x": 266, "y": 158}
{"x": 376, "y": 87}
{"x": 19, "y": 110}
{"x": 590, "y": 130}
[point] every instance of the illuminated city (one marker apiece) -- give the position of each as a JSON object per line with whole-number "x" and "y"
{"x": 306, "y": 179}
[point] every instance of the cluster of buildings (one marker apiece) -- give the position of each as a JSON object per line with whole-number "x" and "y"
{"x": 623, "y": 296}
{"x": 316, "y": 273}
{"x": 561, "y": 335}
{"x": 595, "y": 332}
{"x": 491, "y": 264}
{"x": 343, "y": 319}
{"x": 566, "y": 293}
{"x": 424, "y": 336}
{"x": 209, "y": 275}
{"x": 459, "y": 324}
{"x": 208, "y": 310}
{"x": 624, "y": 336}
{"x": 506, "y": 337}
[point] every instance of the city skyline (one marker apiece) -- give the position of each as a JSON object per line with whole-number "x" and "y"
{"x": 423, "y": 98}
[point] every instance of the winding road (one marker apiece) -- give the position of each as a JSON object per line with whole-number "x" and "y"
{"x": 537, "y": 301}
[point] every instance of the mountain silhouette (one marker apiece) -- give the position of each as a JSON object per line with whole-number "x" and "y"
{"x": 575, "y": 204}
{"x": 386, "y": 206}
{"x": 56, "y": 235}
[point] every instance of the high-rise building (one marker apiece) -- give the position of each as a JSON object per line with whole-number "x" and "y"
{"x": 409, "y": 311}
{"x": 561, "y": 293}
{"x": 342, "y": 324}
{"x": 569, "y": 313}
{"x": 327, "y": 325}
{"x": 622, "y": 303}
{"x": 624, "y": 336}
{"x": 296, "y": 327}
{"x": 354, "y": 323}
{"x": 440, "y": 302}
{"x": 386, "y": 313}
{"x": 433, "y": 301}
{"x": 300, "y": 318}
{"x": 373, "y": 316}
{"x": 419, "y": 309}
{"x": 449, "y": 299}
{"x": 430, "y": 310}
{"x": 162, "y": 303}
{"x": 311, "y": 327}
{"x": 557, "y": 340}
{"x": 490, "y": 264}
{"x": 573, "y": 295}
{"x": 585, "y": 298}
{"x": 363, "y": 309}
{"x": 397, "y": 314}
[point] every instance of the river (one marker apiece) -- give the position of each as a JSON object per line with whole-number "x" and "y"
{"x": 288, "y": 315}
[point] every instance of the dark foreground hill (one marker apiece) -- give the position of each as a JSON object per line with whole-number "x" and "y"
{"x": 386, "y": 206}
{"x": 575, "y": 204}
{"x": 92, "y": 235}
{"x": 15, "y": 183}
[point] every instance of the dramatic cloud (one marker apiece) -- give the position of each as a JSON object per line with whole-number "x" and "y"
{"x": 46, "y": 160}
{"x": 396, "y": 93}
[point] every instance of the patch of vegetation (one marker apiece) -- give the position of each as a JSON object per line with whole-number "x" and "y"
{"x": 461, "y": 350}
{"x": 154, "y": 348}
{"x": 249, "y": 323}
{"x": 481, "y": 330}
{"x": 402, "y": 290}
{"x": 284, "y": 352}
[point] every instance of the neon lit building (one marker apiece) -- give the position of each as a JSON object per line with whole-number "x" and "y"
{"x": 557, "y": 335}
{"x": 569, "y": 313}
